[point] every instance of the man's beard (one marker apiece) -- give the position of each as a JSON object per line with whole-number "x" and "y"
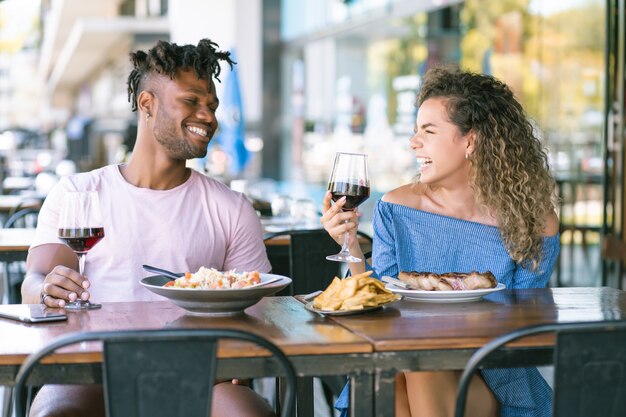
{"x": 173, "y": 140}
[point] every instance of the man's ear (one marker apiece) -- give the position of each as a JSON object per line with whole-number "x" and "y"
{"x": 146, "y": 102}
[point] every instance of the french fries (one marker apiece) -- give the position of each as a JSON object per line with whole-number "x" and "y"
{"x": 354, "y": 293}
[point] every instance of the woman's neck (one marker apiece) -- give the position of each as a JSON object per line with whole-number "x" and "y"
{"x": 459, "y": 203}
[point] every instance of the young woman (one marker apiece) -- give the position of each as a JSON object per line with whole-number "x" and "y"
{"x": 483, "y": 200}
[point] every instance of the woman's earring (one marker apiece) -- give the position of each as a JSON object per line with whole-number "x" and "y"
{"x": 148, "y": 119}
{"x": 467, "y": 156}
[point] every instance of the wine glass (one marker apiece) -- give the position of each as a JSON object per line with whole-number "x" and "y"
{"x": 350, "y": 179}
{"x": 81, "y": 227}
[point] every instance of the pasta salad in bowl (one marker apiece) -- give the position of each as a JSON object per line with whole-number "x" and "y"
{"x": 209, "y": 292}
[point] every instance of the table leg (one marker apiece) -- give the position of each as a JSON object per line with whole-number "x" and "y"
{"x": 385, "y": 400}
{"x": 304, "y": 394}
{"x": 5, "y": 285}
{"x": 6, "y": 402}
{"x": 362, "y": 395}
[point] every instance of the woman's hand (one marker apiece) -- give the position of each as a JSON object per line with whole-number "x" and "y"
{"x": 337, "y": 222}
{"x": 63, "y": 284}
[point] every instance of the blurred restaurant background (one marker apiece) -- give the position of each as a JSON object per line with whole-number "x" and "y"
{"x": 319, "y": 76}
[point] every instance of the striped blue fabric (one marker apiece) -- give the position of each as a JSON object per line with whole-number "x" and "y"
{"x": 407, "y": 239}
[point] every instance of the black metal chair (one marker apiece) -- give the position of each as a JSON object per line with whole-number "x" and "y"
{"x": 304, "y": 259}
{"x": 26, "y": 217}
{"x": 26, "y": 202}
{"x": 14, "y": 271}
{"x": 589, "y": 367}
{"x": 613, "y": 254}
{"x": 166, "y": 372}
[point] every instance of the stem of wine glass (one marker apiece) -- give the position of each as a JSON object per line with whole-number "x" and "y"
{"x": 345, "y": 249}
{"x": 81, "y": 262}
{"x": 79, "y": 303}
{"x": 81, "y": 270}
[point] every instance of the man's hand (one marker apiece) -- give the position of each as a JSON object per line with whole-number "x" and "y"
{"x": 63, "y": 284}
{"x": 51, "y": 276}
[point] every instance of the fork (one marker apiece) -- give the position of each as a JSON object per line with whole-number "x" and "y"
{"x": 164, "y": 272}
{"x": 260, "y": 284}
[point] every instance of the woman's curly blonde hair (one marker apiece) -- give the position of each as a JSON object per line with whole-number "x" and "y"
{"x": 509, "y": 167}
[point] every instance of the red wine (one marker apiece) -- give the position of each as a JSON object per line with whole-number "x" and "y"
{"x": 355, "y": 194}
{"x": 81, "y": 239}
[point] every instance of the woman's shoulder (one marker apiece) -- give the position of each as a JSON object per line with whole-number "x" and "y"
{"x": 408, "y": 195}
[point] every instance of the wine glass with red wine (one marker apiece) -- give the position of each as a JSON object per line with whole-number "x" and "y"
{"x": 350, "y": 179}
{"x": 81, "y": 227}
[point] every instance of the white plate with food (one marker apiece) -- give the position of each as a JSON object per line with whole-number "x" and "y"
{"x": 451, "y": 287}
{"x": 443, "y": 296}
{"x": 216, "y": 302}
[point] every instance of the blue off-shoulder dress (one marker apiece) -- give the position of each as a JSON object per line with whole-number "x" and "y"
{"x": 406, "y": 239}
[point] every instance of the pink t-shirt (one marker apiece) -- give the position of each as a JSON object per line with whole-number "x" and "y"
{"x": 199, "y": 223}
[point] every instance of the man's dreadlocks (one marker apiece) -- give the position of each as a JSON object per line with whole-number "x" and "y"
{"x": 166, "y": 58}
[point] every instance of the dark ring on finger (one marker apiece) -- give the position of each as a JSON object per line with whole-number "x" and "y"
{"x": 42, "y": 297}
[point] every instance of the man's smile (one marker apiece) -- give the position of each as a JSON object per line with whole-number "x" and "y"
{"x": 198, "y": 130}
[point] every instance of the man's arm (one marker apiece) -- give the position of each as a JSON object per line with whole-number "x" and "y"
{"x": 51, "y": 270}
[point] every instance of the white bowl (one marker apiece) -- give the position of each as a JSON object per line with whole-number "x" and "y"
{"x": 224, "y": 302}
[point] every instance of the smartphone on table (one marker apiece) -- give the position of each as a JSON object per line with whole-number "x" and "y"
{"x": 31, "y": 313}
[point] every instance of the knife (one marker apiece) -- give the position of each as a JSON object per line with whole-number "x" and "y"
{"x": 395, "y": 282}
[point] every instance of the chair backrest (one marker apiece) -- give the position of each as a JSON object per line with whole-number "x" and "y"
{"x": 305, "y": 261}
{"x": 167, "y": 372}
{"x": 26, "y": 217}
{"x": 14, "y": 271}
{"x": 589, "y": 367}
{"x": 27, "y": 201}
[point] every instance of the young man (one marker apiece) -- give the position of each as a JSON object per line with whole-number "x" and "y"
{"x": 155, "y": 211}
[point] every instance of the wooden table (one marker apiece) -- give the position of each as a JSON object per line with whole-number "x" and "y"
{"x": 14, "y": 243}
{"x": 285, "y": 240}
{"x": 426, "y": 336}
{"x": 10, "y": 202}
{"x": 10, "y": 184}
{"x": 279, "y": 225}
{"x": 371, "y": 348}
{"x": 316, "y": 345}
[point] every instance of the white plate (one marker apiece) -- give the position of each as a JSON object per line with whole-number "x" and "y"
{"x": 443, "y": 296}
{"x": 224, "y": 302}
{"x": 309, "y": 306}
